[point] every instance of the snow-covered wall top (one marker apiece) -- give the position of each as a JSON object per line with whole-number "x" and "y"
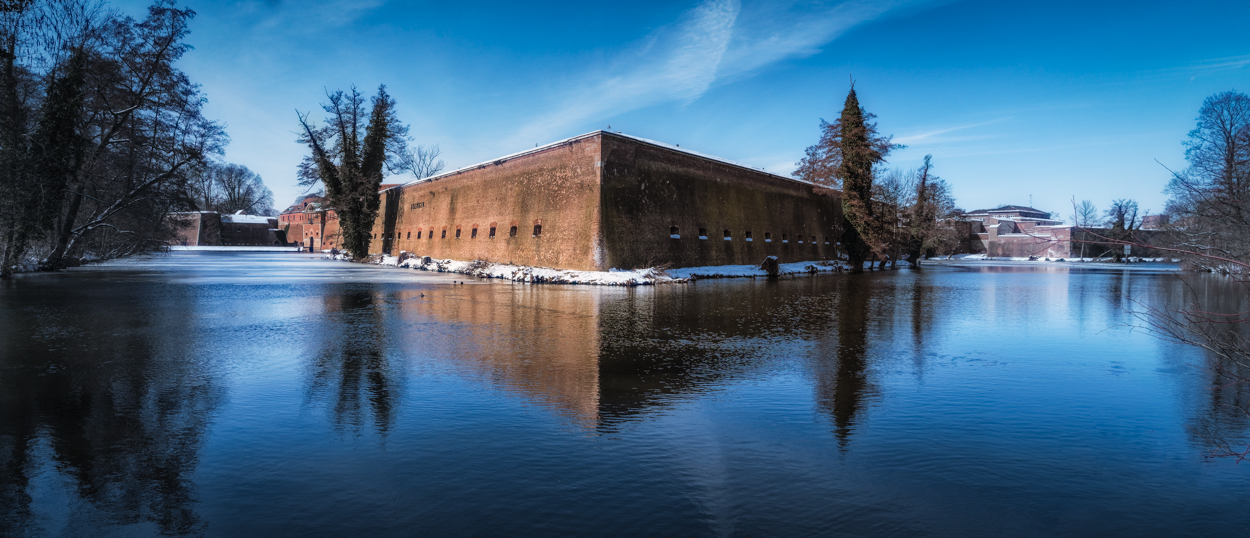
{"x": 246, "y": 219}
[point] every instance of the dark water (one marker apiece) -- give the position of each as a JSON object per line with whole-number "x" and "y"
{"x": 276, "y": 395}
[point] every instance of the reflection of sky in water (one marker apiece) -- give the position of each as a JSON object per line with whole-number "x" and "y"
{"x": 175, "y": 395}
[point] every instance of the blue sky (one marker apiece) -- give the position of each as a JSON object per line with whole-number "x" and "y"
{"x": 1052, "y": 100}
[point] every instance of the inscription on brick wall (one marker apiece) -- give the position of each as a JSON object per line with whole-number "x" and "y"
{"x": 417, "y": 205}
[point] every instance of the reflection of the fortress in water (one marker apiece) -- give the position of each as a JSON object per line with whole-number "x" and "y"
{"x": 107, "y": 396}
{"x": 604, "y": 356}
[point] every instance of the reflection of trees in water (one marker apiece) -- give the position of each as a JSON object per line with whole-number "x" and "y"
{"x": 122, "y": 415}
{"x": 1222, "y": 421}
{"x": 352, "y": 373}
{"x": 921, "y": 317}
{"x": 659, "y": 346}
{"x": 841, "y": 380}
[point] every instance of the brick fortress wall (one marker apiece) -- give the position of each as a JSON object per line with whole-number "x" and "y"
{"x": 556, "y": 189}
{"x": 608, "y": 201}
{"x": 650, "y": 189}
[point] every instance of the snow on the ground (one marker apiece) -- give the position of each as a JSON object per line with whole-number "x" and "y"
{"x": 614, "y": 277}
{"x": 274, "y": 248}
{"x": 983, "y": 257}
{"x": 731, "y": 271}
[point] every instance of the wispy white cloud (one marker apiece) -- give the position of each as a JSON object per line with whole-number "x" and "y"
{"x": 931, "y": 136}
{"x": 1223, "y": 64}
{"x": 775, "y": 31}
{"x": 1192, "y": 70}
{"x": 309, "y": 15}
{"x": 716, "y": 40}
{"x": 674, "y": 64}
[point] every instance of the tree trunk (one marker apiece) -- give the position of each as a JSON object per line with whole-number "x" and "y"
{"x": 53, "y": 261}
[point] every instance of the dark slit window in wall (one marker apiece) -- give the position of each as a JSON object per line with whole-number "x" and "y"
{"x": 785, "y": 238}
{"x": 800, "y": 238}
{"x": 444, "y": 235}
{"x": 727, "y": 236}
{"x": 538, "y": 230}
{"x": 747, "y": 235}
{"x": 512, "y": 232}
{"x": 457, "y": 233}
{"x": 492, "y": 232}
{"x": 418, "y": 234}
{"x": 702, "y": 233}
{"x": 768, "y": 237}
{"x": 672, "y": 232}
{"x": 826, "y": 240}
{"x": 813, "y": 240}
{"x": 473, "y": 234}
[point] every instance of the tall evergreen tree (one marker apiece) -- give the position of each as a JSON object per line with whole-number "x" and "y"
{"x": 351, "y": 166}
{"x": 844, "y": 159}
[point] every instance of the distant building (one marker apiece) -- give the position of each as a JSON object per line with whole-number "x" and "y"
{"x": 306, "y": 223}
{"x": 1014, "y": 231}
{"x": 1154, "y": 222}
{"x": 311, "y": 223}
{"x": 210, "y": 228}
{"x": 1015, "y": 213}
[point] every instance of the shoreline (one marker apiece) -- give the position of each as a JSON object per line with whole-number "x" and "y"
{"x": 613, "y": 277}
{"x": 1140, "y": 264}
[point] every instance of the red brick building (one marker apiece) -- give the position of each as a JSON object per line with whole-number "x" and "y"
{"x": 311, "y": 223}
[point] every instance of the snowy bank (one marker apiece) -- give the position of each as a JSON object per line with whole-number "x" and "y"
{"x": 614, "y": 277}
{"x": 274, "y": 248}
{"x": 1134, "y": 263}
{"x": 983, "y": 257}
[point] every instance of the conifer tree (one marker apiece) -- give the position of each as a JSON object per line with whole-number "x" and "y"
{"x": 844, "y": 159}
{"x": 349, "y": 166}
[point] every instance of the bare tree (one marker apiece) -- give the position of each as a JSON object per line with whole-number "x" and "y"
{"x": 144, "y": 129}
{"x": 97, "y": 130}
{"x": 241, "y": 190}
{"x": 896, "y": 192}
{"x": 1210, "y": 201}
{"x": 202, "y": 187}
{"x": 420, "y": 161}
{"x": 1084, "y": 215}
